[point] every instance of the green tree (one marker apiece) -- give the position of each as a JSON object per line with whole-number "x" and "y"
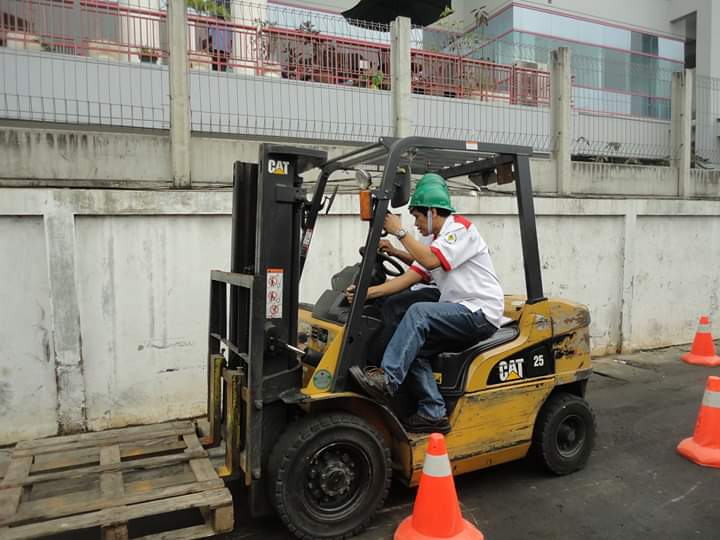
{"x": 209, "y": 8}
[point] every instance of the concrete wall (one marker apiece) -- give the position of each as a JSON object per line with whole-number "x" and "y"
{"x": 132, "y": 159}
{"x": 28, "y": 395}
{"x": 630, "y": 180}
{"x": 706, "y": 183}
{"x": 104, "y": 301}
{"x": 139, "y": 158}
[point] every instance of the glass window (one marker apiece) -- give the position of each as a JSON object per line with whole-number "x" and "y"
{"x": 644, "y": 43}
{"x": 669, "y": 48}
{"x": 615, "y": 70}
{"x": 532, "y": 20}
{"x": 615, "y": 37}
{"x": 500, "y": 24}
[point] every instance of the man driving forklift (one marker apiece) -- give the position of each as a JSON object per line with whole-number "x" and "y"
{"x": 470, "y": 307}
{"x": 396, "y": 305}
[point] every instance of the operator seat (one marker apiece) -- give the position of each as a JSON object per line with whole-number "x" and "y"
{"x": 454, "y": 365}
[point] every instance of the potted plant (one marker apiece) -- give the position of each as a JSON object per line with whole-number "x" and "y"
{"x": 148, "y": 55}
{"x": 375, "y": 80}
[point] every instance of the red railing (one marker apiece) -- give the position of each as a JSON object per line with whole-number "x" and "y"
{"x": 288, "y": 53}
{"x": 106, "y": 29}
{"x": 446, "y": 75}
{"x": 91, "y": 28}
{"x": 307, "y": 56}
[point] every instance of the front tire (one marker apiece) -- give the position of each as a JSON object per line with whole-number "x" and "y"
{"x": 564, "y": 434}
{"x": 328, "y": 475}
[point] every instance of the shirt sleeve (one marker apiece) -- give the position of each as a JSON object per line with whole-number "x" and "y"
{"x": 424, "y": 274}
{"x": 456, "y": 246}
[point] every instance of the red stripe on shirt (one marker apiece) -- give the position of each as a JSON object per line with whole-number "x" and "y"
{"x": 462, "y": 221}
{"x": 423, "y": 273}
{"x": 443, "y": 261}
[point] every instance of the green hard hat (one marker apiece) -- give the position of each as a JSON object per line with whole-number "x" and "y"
{"x": 431, "y": 192}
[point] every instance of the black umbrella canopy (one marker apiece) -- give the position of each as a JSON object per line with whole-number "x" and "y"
{"x": 420, "y": 12}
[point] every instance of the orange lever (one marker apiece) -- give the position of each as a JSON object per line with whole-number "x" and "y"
{"x": 365, "y": 205}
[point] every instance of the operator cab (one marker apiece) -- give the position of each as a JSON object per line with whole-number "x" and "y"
{"x": 450, "y": 366}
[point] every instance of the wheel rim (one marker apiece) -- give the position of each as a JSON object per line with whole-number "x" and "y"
{"x": 571, "y": 435}
{"x": 334, "y": 480}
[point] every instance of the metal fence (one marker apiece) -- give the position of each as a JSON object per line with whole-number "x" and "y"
{"x": 280, "y": 71}
{"x": 88, "y": 62}
{"x": 270, "y": 106}
{"x": 71, "y": 89}
{"x": 620, "y": 110}
{"x": 707, "y": 122}
{"x": 460, "y": 95}
{"x": 258, "y": 69}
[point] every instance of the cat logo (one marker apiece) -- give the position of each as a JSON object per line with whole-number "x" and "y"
{"x": 511, "y": 370}
{"x": 279, "y": 168}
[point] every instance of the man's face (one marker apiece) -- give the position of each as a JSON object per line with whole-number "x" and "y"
{"x": 421, "y": 223}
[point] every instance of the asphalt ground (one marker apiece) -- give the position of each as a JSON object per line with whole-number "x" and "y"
{"x": 635, "y": 485}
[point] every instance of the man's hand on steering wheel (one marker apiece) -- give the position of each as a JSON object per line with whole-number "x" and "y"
{"x": 387, "y": 247}
{"x": 396, "y": 268}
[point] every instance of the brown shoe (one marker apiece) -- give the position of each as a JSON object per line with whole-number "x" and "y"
{"x": 372, "y": 381}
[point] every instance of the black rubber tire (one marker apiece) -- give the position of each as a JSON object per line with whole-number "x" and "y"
{"x": 289, "y": 479}
{"x": 560, "y": 413}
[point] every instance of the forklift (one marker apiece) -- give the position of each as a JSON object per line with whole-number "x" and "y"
{"x": 298, "y": 435}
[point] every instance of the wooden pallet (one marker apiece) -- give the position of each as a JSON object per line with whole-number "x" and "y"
{"x": 110, "y": 481}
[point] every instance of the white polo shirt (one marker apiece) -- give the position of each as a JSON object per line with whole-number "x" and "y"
{"x": 466, "y": 275}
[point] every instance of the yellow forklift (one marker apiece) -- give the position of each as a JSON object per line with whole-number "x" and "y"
{"x": 298, "y": 433}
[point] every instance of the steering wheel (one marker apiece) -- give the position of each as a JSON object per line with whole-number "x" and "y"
{"x": 396, "y": 269}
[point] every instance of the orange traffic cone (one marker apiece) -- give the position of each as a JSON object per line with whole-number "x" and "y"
{"x": 703, "y": 447}
{"x": 436, "y": 513}
{"x": 702, "y": 352}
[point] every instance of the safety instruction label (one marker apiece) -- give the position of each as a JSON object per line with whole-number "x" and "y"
{"x": 273, "y": 301}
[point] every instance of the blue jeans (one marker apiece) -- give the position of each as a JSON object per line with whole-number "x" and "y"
{"x": 453, "y": 325}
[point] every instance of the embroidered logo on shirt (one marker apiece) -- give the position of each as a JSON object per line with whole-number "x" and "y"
{"x": 450, "y": 238}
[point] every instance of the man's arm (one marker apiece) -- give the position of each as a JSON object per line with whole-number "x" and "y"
{"x": 404, "y": 256}
{"x": 391, "y": 286}
{"x": 419, "y": 252}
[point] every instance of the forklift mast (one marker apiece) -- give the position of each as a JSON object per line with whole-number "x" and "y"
{"x": 262, "y": 365}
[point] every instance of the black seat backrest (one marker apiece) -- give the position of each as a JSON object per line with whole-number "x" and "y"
{"x": 453, "y": 367}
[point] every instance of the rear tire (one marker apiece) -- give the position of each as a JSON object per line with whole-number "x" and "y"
{"x": 328, "y": 475}
{"x": 564, "y": 434}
